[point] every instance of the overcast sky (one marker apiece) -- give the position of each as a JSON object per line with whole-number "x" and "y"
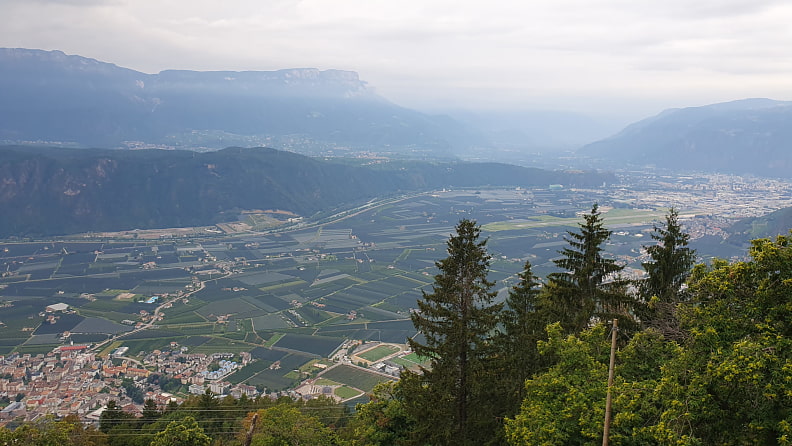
{"x": 617, "y": 56}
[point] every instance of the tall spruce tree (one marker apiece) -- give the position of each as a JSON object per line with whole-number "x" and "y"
{"x": 523, "y": 323}
{"x": 670, "y": 264}
{"x": 457, "y": 319}
{"x": 589, "y": 287}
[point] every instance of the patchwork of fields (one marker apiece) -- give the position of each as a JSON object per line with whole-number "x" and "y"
{"x": 288, "y": 297}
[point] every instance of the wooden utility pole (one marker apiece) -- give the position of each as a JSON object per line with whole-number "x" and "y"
{"x": 249, "y": 436}
{"x": 606, "y": 431}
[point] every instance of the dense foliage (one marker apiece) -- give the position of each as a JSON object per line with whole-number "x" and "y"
{"x": 728, "y": 381}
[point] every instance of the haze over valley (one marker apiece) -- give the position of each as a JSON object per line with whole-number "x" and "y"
{"x": 321, "y": 220}
{"x": 342, "y": 221}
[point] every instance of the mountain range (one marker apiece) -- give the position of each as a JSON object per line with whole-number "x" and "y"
{"x": 750, "y": 136}
{"x": 48, "y": 97}
{"x": 51, "y": 97}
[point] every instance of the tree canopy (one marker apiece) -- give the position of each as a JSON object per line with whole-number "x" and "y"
{"x": 182, "y": 433}
{"x": 727, "y": 381}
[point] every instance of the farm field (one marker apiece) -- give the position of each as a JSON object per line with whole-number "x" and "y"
{"x": 345, "y": 392}
{"x": 379, "y": 352}
{"x": 321, "y": 346}
{"x": 354, "y": 377}
{"x": 411, "y": 361}
{"x": 294, "y": 296}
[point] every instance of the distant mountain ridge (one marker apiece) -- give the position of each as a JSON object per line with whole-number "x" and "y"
{"x": 751, "y": 136}
{"x": 53, "y": 97}
{"x": 51, "y": 191}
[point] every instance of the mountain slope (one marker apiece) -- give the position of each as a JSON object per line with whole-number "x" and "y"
{"x": 46, "y": 191}
{"x": 52, "y": 97}
{"x": 749, "y": 136}
{"x": 767, "y": 226}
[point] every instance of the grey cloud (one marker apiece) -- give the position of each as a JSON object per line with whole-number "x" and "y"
{"x": 79, "y": 3}
{"x": 443, "y": 50}
{"x": 702, "y": 9}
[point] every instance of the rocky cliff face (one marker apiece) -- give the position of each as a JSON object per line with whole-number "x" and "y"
{"x": 38, "y": 65}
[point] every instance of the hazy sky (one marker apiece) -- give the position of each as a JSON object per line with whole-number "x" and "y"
{"x": 638, "y": 56}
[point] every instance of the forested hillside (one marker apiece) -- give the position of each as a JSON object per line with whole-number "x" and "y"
{"x": 48, "y": 191}
{"x": 766, "y": 226}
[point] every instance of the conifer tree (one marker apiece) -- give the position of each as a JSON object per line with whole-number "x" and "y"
{"x": 670, "y": 264}
{"x": 589, "y": 286}
{"x": 457, "y": 319}
{"x": 150, "y": 412}
{"x": 112, "y": 416}
{"x": 523, "y": 323}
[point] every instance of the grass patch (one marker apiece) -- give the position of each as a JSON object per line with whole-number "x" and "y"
{"x": 192, "y": 329}
{"x": 185, "y": 318}
{"x": 280, "y": 286}
{"x": 346, "y": 393}
{"x": 109, "y": 315}
{"x": 218, "y": 345}
{"x": 235, "y": 335}
{"x": 246, "y": 324}
{"x": 271, "y": 380}
{"x": 326, "y": 382}
{"x": 109, "y": 348}
{"x": 36, "y": 349}
{"x": 354, "y": 377}
{"x": 412, "y": 357}
{"x": 379, "y": 352}
{"x": 613, "y": 216}
{"x": 275, "y": 338}
{"x": 404, "y": 363}
{"x": 106, "y": 305}
{"x": 148, "y": 345}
